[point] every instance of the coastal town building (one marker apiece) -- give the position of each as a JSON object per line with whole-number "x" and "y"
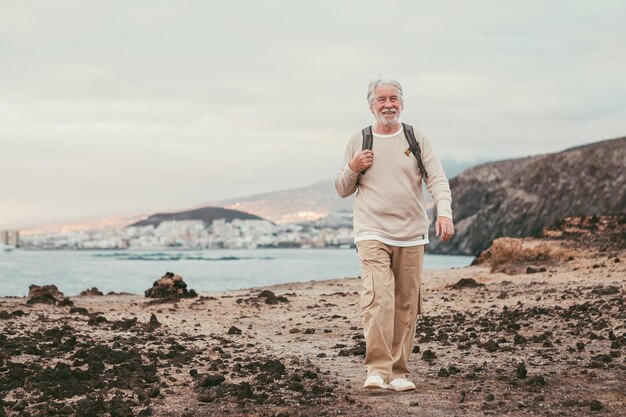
{"x": 196, "y": 235}
{"x": 10, "y": 238}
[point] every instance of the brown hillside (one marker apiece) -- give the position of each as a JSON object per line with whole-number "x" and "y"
{"x": 519, "y": 197}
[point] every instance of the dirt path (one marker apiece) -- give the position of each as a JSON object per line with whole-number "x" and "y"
{"x": 548, "y": 343}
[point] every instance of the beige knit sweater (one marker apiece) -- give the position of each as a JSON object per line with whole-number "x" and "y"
{"x": 389, "y": 204}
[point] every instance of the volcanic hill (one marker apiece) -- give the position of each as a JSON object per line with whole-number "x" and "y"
{"x": 519, "y": 197}
{"x": 206, "y": 214}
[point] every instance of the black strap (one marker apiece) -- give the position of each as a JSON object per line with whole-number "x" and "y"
{"x": 368, "y": 138}
{"x": 368, "y": 141}
{"x": 415, "y": 148}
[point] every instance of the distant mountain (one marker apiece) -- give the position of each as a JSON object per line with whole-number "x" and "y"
{"x": 206, "y": 214}
{"x": 308, "y": 203}
{"x": 519, "y": 197}
{"x": 298, "y": 204}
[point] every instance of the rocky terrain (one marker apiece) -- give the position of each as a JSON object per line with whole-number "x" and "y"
{"x": 536, "y": 327}
{"x": 519, "y": 197}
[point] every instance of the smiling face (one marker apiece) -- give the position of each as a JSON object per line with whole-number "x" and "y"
{"x": 386, "y": 105}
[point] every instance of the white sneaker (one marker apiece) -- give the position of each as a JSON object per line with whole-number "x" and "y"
{"x": 401, "y": 384}
{"x": 374, "y": 381}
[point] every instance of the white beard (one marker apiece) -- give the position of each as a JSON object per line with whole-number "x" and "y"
{"x": 385, "y": 121}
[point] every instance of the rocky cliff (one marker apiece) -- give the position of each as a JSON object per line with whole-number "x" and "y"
{"x": 519, "y": 197}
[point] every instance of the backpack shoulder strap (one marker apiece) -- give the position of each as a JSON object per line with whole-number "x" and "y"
{"x": 414, "y": 146}
{"x": 368, "y": 138}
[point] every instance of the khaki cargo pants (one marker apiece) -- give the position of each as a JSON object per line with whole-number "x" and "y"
{"x": 391, "y": 300}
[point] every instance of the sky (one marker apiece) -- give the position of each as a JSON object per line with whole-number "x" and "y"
{"x": 119, "y": 107}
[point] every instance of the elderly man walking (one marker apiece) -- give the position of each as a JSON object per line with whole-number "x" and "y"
{"x": 385, "y": 165}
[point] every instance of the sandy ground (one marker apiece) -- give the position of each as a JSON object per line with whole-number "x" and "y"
{"x": 545, "y": 343}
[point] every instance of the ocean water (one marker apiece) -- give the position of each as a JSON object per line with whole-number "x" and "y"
{"x": 210, "y": 270}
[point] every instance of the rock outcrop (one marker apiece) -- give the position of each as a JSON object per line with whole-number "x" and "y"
{"x": 519, "y": 197}
{"x": 91, "y": 292}
{"x": 47, "y": 294}
{"x": 568, "y": 239}
{"x": 170, "y": 287}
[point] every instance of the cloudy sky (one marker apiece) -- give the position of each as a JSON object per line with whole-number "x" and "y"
{"x": 113, "y": 107}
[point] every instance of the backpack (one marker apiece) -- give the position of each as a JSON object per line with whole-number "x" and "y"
{"x": 368, "y": 141}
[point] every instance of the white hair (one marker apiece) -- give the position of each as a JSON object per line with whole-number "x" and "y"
{"x": 380, "y": 80}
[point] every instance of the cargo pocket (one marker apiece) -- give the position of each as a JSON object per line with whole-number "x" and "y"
{"x": 367, "y": 296}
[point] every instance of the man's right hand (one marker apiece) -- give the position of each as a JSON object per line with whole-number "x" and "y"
{"x": 361, "y": 161}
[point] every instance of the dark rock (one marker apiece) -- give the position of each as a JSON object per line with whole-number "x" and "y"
{"x": 416, "y": 349}
{"x": 596, "y": 405}
{"x": 154, "y": 322}
{"x": 90, "y": 406}
{"x": 153, "y": 392}
{"x": 210, "y": 380}
{"x": 532, "y": 270}
{"x": 274, "y": 367}
{"x": 443, "y": 373}
{"x": 271, "y": 298}
{"x": 358, "y": 350}
{"x": 171, "y": 287}
{"x": 47, "y": 294}
{"x": 521, "y": 371}
{"x": 429, "y": 355}
{"x": 96, "y": 319}
{"x": 466, "y": 283}
{"x": 491, "y": 346}
{"x": 94, "y": 372}
{"x": 234, "y": 330}
{"x": 66, "y": 302}
{"x": 537, "y": 380}
{"x": 119, "y": 407}
{"x": 453, "y": 370}
{"x": 603, "y": 358}
{"x": 124, "y": 324}
{"x": 309, "y": 331}
{"x": 309, "y": 374}
{"x": 79, "y": 310}
{"x": 605, "y": 290}
{"x": 91, "y": 292}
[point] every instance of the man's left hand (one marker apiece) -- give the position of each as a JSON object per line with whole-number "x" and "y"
{"x": 444, "y": 228}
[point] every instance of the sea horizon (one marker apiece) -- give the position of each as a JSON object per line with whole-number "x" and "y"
{"x": 134, "y": 271}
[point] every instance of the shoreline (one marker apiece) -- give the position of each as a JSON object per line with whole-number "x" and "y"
{"x": 73, "y": 272}
{"x": 230, "y": 352}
